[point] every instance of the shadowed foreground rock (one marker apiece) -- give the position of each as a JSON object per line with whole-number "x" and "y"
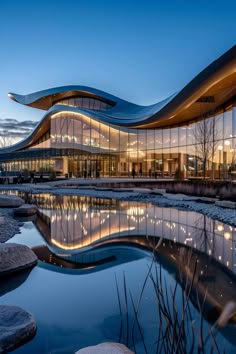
{"x": 106, "y": 348}
{"x": 25, "y": 210}
{"x": 13, "y": 281}
{"x": 14, "y": 257}
{"x": 10, "y": 201}
{"x": 17, "y": 326}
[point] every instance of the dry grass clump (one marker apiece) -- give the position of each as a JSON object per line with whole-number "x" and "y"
{"x": 178, "y": 331}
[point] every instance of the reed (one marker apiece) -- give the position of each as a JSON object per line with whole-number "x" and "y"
{"x": 177, "y": 331}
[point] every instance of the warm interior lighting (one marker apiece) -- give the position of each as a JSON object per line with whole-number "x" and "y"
{"x": 220, "y": 227}
{"x": 227, "y": 142}
{"x": 220, "y": 147}
{"x": 227, "y": 235}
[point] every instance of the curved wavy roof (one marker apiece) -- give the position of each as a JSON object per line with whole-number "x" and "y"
{"x": 206, "y": 93}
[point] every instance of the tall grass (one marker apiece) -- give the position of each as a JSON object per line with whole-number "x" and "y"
{"x": 177, "y": 329}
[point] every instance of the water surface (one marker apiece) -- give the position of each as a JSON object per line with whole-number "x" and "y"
{"x": 95, "y": 255}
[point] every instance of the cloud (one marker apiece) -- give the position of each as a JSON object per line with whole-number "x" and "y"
{"x": 13, "y": 129}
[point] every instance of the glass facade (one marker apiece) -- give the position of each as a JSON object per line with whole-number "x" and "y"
{"x": 84, "y": 146}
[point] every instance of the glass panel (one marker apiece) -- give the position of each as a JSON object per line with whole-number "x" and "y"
{"x": 174, "y": 137}
{"x": 227, "y": 124}
{"x": 95, "y": 136}
{"x": 167, "y": 163}
{"x": 158, "y": 139}
{"x": 219, "y": 127}
{"x": 182, "y": 136}
{"x": 150, "y": 134}
{"x": 166, "y": 138}
{"x": 85, "y": 102}
{"x": 114, "y": 140}
{"x": 104, "y": 138}
{"x": 133, "y": 152}
{"x": 183, "y": 161}
{"x": 234, "y": 122}
{"x": 190, "y": 134}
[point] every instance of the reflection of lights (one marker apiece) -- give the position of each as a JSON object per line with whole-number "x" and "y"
{"x": 135, "y": 211}
{"x": 227, "y": 235}
{"x": 85, "y": 242}
{"x": 220, "y": 227}
{"x": 227, "y": 142}
{"x": 220, "y": 147}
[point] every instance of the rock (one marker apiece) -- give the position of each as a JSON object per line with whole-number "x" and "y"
{"x": 159, "y": 191}
{"x": 25, "y": 210}
{"x": 10, "y": 201}
{"x": 14, "y": 257}
{"x": 8, "y": 228}
{"x": 106, "y": 348}
{"x": 225, "y": 204}
{"x": 12, "y": 282}
{"x": 180, "y": 197}
{"x": 142, "y": 190}
{"x": 103, "y": 189}
{"x": 206, "y": 200}
{"x": 16, "y": 326}
{"x": 122, "y": 190}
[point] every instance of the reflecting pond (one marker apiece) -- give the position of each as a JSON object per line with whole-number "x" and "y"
{"x": 101, "y": 262}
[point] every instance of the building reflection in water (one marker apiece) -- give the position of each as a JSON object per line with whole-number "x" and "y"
{"x": 73, "y": 222}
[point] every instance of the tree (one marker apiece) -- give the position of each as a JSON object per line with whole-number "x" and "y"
{"x": 205, "y": 136}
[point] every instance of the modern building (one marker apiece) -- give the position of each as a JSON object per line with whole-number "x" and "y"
{"x": 87, "y": 132}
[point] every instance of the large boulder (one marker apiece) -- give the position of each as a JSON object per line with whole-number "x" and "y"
{"x": 8, "y": 228}
{"x": 14, "y": 257}
{"x": 16, "y": 327}
{"x": 106, "y": 348}
{"x": 25, "y": 210}
{"x": 10, "y": 201}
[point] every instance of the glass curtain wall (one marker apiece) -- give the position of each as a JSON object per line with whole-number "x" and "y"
{"x": 85, "y": 147}
{"x": 202, "y": 149}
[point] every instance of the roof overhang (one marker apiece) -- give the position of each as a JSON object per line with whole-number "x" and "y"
{"x": 212, "y": 90}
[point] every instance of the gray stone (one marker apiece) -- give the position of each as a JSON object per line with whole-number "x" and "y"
{"x": 8, "y": 227}
{"x": 159, "y": 191}
{"x": 178, "y": 197}
{"x": 106, "y": 348}
{"x": 206, "y": 200}
{"x": 10, "y": 201}
{"x": 26, "y": 209}
{"x": 142, "y": 190}
{"x": 122, "y": 189}
{"x": 16, "y": 327}
{"x": 225, "y": 204}
{"x": 14, "y": 257}
{"x": 12, "y": 282}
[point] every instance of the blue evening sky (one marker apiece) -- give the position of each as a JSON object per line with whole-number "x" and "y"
{"x": 139, "y": 50}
